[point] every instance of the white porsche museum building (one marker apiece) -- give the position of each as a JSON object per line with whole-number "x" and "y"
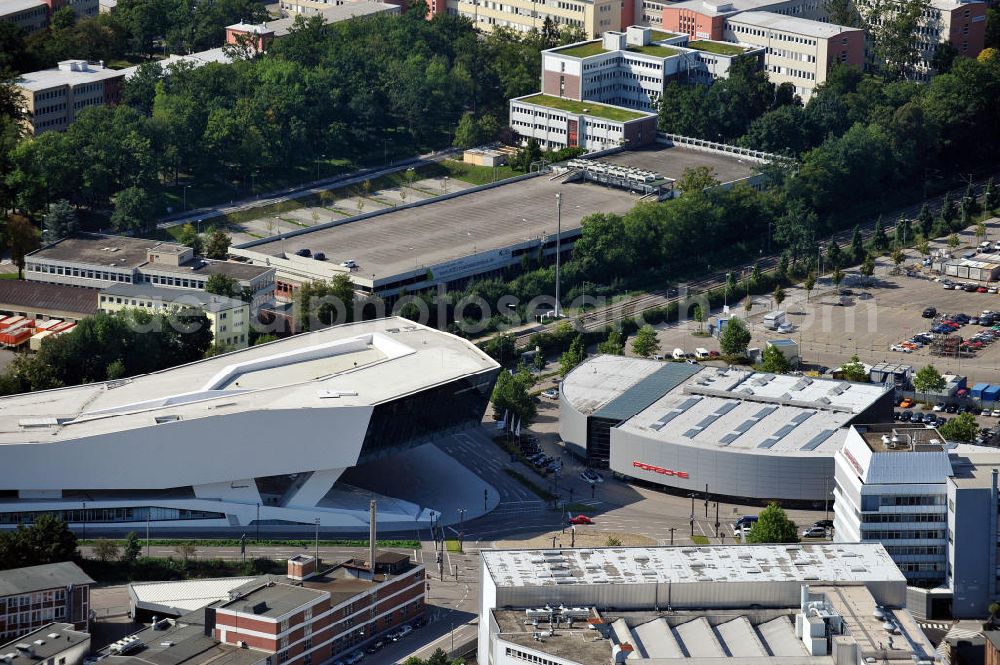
{"x": 259, "y": 435}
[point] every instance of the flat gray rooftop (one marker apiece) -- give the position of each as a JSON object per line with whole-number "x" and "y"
{"x": 423, "y": 236}
{"x": 105, "y": 250}
{"x": 671, "y": 162}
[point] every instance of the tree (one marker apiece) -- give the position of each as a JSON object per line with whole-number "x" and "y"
{"x": 47, "y": 540}
{"x": 645, "y": 343}
{"x": 867, "y": 268}
{"x": 857, "y": 245}
{"x": 106, "y": 549}
{"x": 879, "y": 239}
{"x": 613, "y": 345}
{"x": 735, "y": 338}
{"x": 135, "y": 209}
{"x": 809, "y": 284}
{"x": 695, "y": 181}
{"x": 186, "y": 551}
{"x": 969, "y": 202}
{"x": 773, "y": 361}
{"x": 928, "y": 380}
{"x": 925, "y": 221}
{"x": 948, "y": 212}
{"x": 511, "y": 397}
{"x": 131, "y": 548}
{"x": 502, "y": 348}
{"x": 837, "y": 277}
{"x": 897, "y": 259}
{"x": 854, "y": 370}
{"x": 944, "y": 57}
{"x": 572, "y": 357}
{"x": 842, "y": 12}
{"x": 222, "y": 285}
{"x": 321, "y": 304}
{"x": 962, "y": 427}
{"x": 980, "y": 231}
{"x": 22, "y": 238}
{"x": 773, "y": 526}
{"x": 891, "y": 27}
{"x": 953, "y": 241}
{"x": 923, "y": 247}
{"x": 778, "y": 295}
{"x": 217, "y": 246}
{"x": 190, "y": 237}
{"x": 834, "y": 255}
{"x": 60, "y": 222}
{"x": 991, "y": 196}
{"x": 467, "y": 132}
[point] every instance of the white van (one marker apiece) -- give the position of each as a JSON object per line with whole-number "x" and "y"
{"x": 678, "y": 354}
{"x": 701, "y": 353}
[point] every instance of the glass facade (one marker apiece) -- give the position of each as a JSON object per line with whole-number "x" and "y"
{"x": 412, "y": 419}
{"x": 111, "y": 515}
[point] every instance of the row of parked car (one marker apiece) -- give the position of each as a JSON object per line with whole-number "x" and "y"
{"x": 392, "y": 636}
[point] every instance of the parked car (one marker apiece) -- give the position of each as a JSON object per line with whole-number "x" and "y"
{"x": 786, "y": 328}
{"x": 551, "y": 393}
{"x": 906, "y": 403}
{"x": 814, "y": 532}
{"x": 951, "y": 408}
{"x": 826, "y": 524}
{"x": 419, "y": 623}
{"x": 939, "y": 406}
{"x": 745, "y": 521}
{"x": 592, "y": 476}
{"x": 376, "y": 646}
{"x": 996, "y": 413}
{"x": 906, "y": 416}
{"x": 580, "y": 519}
{"x": 402, "y": 632}
{"x": 929, "y": 312}
{"x": 355, "y": 657}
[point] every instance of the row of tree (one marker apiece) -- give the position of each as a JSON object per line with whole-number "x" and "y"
{"x": 46, "y": 540}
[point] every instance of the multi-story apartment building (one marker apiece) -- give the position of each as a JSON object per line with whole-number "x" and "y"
{"x": 706, "y": 19}
{"x": 99, "y": 261}
{"x": 34, "y": 15}
{"x": 228, "y": 318}
{"x": 29, "y": 15}
{"x": 797, "y": 50}
{"x": 960, "y": 22}
{"x": 53, "y": 97}
{"x": 594, "y": 17}
{"x": 38, "y": 595}
{"x": 933, "y": 505}
{"x": 322, "y": 615}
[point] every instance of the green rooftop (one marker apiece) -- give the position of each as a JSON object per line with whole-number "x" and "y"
{"x": 717, "y": 47}
{"x": 614, "y": 113}
{"x": 659, "y": 35}
{"x": 653, "y": 49}
{"x": 583, "y": 50}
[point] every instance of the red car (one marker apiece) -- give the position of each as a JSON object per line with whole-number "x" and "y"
{"x": 580, "y": 519}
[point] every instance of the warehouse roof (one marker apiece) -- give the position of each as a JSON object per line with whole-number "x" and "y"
{"x": 96, "y": 248}
{"x": 758, "y": 412}
{"x": 602, "y": 378}
{"x": 843, "y": 563}
{"x": 177, "y": 597}
{"x": 18, "y": 295}
{"x": 38, "y": 578}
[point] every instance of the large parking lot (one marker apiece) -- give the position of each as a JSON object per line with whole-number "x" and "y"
{"x": 876, "y": 321}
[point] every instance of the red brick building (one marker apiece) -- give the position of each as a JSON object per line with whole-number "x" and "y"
{"x": 330, "y": 613}
{"x": 39, "y": 595}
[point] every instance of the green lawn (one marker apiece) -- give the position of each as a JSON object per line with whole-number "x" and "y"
{"x": 583, "y": 50}
{"x": 716, "y": 47}
{"x": 589, "y": 108}
{"x": 655, "y": 50}
{"x": 453, "y": 545}
{"x": 475, "y": 175}
{"x": 699, "y": 540}
{"x": 659, "y": 35}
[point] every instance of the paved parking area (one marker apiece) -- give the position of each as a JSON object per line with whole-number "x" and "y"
{"x": 880, "y": 313}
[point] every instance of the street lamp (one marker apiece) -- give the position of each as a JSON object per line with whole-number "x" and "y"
{"x": 316, "y": 521}
{"x": 186, "y": 187}
{"x": 558, "y": 236}
{"x": 461, "y": 527}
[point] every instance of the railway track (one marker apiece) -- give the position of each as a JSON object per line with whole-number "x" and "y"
{"x": 602, "y": 317}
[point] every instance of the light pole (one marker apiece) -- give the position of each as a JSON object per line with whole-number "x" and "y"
{"x": 672, "y": 529}
{"x": 186, "y": 187}
{"x": 558, "y": 235}
{"x": 316, "y": 521}
{"x": 461, "y": 527}
{"x": 691, "y": 519}
{"x": 321, "y": 157}
{"x": 725, "y": 293}
{"x": 257, "y": 522}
